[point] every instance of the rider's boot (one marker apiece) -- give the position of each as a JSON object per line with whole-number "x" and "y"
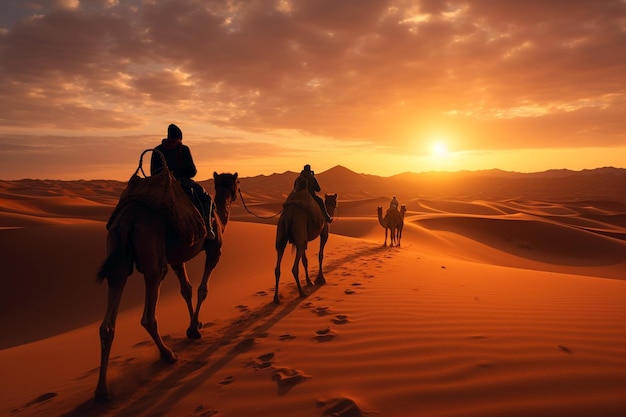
{"x": 207, "y": 205}
{"x": 325, "y": 213}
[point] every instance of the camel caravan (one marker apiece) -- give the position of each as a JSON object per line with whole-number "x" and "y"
{"x": 167, "y": 219}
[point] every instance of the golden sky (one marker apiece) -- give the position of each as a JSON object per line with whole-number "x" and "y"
{"x": 259, "y": 86}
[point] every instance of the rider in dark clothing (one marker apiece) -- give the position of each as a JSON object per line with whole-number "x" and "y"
{"x": 177, "y": 156}
{"x": 180, "y": 163}
{"x": 313, "y": 187}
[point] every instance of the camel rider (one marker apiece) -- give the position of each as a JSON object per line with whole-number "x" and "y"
{"x": 313, "y": 187}
{"x": 180, "y": 163}
{"x": 394, "y": 203}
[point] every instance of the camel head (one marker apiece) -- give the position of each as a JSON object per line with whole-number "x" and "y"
{"x": 331, "y": 203}
{"x": 227, "y": 182}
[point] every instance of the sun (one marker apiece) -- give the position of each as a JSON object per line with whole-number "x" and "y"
{"x": 439, "y": 148}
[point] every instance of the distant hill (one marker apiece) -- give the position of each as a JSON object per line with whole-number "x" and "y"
{"x": 554, "y": 185}
{"x": 606, "y": 184}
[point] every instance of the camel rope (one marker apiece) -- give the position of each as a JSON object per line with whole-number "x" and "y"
{"x": 254, "y": 214}
{"x": 273, "y": 215}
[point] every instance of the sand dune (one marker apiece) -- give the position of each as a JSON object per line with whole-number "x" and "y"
{"x": 490, "y": 307}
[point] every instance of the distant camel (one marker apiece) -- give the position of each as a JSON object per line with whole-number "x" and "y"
{"x": 140, "y": 236}
{"x": 300, "y": 222}
{"x": 393, "y": 223}
{"x": 400, "y": 225}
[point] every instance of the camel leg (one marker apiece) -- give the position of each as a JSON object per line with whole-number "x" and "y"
{"x": 185, "y": 286}
{"x": 323, "y": 239}
{"x": 281, "y": 244}
{"x": 149, "y": 321}
{"x": 295, "y": 269}
{"x": 280, "y": 252}
{"x": 305, "y": 265}
{"x": 107, "y": 333}
{"x": 212, "y": 258}
{"x": 386, "y": 230}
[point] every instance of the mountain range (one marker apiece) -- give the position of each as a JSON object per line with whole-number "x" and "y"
{"x": 607, "y": 183}
{"x": 600, "y": 184}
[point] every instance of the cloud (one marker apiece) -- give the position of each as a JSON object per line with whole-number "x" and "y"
{"x": 503, "y": 74}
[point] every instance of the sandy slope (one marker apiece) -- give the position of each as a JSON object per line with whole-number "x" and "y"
{"x": 489, "y": 308}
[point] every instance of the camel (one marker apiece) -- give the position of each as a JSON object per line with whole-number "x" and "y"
{"x": 300, "y": 222}
{"x": 400, "y": 224}
{"x": 140, "y": 236}
{"x": 393, "y": 223}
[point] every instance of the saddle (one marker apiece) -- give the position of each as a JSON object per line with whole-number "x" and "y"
{"x": 302, "y": 198}
{"x": 162, "y": 192}
{"x": 200, "y": 199}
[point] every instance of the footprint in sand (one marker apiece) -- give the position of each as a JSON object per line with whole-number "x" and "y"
{"x": 244, "y": 344}
{"x": 261, "y": 293}
{"x": 565, "y": 349}
{"x": 340, "y": 407}
{"x": 349, "y": 291}
{"x": 200, "y": 411}
{"x": 42, "y": 398}
{"x": 287, "y": 378}
{"x": 243, "y": 308}
{"x": 284, "y": 337}
{"x": 321, "y": 311}
{"x": 324, "y": 335}
{"x": 264, "y": 361}
{"x": 340, "y": 319}
{"x": 228, "y": 380}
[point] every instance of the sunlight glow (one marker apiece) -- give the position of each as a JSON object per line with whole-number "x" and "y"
{"x": 439, "y": 149}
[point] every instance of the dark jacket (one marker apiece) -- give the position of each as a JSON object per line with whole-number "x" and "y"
{"x": 312, "y": 183}
{"x": 178, "y": 159}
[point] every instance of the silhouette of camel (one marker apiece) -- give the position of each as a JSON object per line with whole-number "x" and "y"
{"x": 140, "y": 236}
{"x": 300, "y": 222}
{"x": 400, "y": 225}
{"x": 393, "y": 223}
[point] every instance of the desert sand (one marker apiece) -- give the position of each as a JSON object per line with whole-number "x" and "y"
{"x": 510, "y": 302}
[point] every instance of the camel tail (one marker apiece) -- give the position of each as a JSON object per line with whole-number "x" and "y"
{"x": 107, "y": 266}
{"x": 120, "y": 256}
{"x": 282, "y": 234}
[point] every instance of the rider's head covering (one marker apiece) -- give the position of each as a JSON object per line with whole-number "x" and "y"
{"x": 174, "y": 132}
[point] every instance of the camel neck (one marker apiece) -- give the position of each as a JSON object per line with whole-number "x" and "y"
{"x": 222, "y": 206}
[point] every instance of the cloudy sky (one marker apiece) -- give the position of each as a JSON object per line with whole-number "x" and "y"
{"x": 262, "y": 86}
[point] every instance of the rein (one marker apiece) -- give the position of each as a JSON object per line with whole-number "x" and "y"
{"x": 254, "y": 214}
{"x": 266, "y": 217}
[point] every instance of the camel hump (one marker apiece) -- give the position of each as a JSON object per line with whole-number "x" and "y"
{"x": 298, "y": 197}
{"x": 304, "y": 200}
